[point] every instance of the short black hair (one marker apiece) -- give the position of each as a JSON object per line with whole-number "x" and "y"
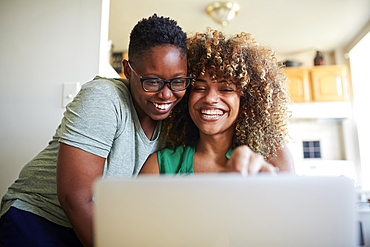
{"x": 154, "y": 31}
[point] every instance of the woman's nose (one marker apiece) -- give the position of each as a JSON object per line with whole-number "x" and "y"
{"x": 212, "y": 96}
{"x": 166, "y": 92}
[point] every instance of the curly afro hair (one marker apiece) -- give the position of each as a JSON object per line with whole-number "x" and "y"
{"x": 154, "y": 31}
{"x": 262, "y": 120}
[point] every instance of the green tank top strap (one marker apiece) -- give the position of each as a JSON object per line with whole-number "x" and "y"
{"x": 228, "y": 154}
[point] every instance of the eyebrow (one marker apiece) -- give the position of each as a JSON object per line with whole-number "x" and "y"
{"x": 201, "y": 80}
{"x": 220, "y": 81}
{"x": 180, "y": 74}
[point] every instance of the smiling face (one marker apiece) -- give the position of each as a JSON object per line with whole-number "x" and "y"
{"x": 214, "y": 105}
{"x": 165, "y": 62}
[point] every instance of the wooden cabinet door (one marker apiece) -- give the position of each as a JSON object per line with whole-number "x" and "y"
{"x": 329, "y": 83}
{"x": 298, "y": 84}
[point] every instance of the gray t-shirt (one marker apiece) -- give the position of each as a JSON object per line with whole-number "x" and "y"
{"x": 101, "y": 120}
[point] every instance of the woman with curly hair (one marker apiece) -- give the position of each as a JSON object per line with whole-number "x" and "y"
{"x": 237, "y": 104}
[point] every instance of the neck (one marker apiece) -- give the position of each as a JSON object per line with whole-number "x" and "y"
{"x": 214, "y": 144}
{"x": 210, "y": 153}
{"x": 147, "y": 123}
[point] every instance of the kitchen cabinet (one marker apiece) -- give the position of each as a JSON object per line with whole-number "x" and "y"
{"x": 318, "y": 84}
{"x": 299, "y": 85}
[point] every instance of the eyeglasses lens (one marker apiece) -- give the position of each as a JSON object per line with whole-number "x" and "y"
{"x": 154, "y": 85}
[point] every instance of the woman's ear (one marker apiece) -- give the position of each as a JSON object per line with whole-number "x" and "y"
{"x": 126, "y": 69}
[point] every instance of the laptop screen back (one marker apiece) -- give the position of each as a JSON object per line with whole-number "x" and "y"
{"x": 225, "y": 210}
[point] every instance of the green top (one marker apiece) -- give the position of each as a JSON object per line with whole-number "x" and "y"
{"x": 179, "y": 160}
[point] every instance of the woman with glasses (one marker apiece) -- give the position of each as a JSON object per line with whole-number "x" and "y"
{"x": 234, "y": 116}
{"x": 109, "y": 129}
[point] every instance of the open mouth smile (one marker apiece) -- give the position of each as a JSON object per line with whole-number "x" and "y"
{"x": 211, "y": 114}
{"x": 162, "y": 106}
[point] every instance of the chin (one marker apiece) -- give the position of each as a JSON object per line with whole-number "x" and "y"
{"x": 161, "y": 116}
{"x": 209, "y": 132}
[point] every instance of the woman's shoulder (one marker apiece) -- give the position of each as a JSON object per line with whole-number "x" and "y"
{"x": 107, "y": 84}
{"x": 106, "y": 89}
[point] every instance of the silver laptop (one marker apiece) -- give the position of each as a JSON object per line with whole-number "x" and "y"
{"x": 225, "y": 210}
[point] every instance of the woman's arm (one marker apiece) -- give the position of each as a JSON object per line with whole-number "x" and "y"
{"x": 76, "y": 172}
{"x": 283, "y": 160}
{"x": 243, "y": 160}
{"x": 151, "y": 165}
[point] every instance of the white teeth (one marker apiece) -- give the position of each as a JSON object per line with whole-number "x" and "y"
{"x": 162, "y": 106}
{"x": 212, "y": 113}
{"x": 210, "y": 116}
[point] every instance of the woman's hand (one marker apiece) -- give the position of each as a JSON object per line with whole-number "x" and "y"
{"x": 246, "y": 162}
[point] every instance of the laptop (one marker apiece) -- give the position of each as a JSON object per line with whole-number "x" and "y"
{"x": 225, "y": 210}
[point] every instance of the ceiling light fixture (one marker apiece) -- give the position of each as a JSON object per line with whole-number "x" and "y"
{"x": 223, "y": 12}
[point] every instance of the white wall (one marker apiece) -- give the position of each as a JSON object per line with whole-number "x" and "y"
{"x": 327, "y": 131}
{"x": 43, "y": 44}
{"x": 306, "y": 58}
{"x": 360, "y": 64}
{"x": 335, "y": 158}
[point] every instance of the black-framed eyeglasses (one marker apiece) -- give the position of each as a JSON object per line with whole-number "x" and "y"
{"x": 156, "y": 84}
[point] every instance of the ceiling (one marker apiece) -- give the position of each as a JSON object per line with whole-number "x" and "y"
{"x": 287, "y": 26}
